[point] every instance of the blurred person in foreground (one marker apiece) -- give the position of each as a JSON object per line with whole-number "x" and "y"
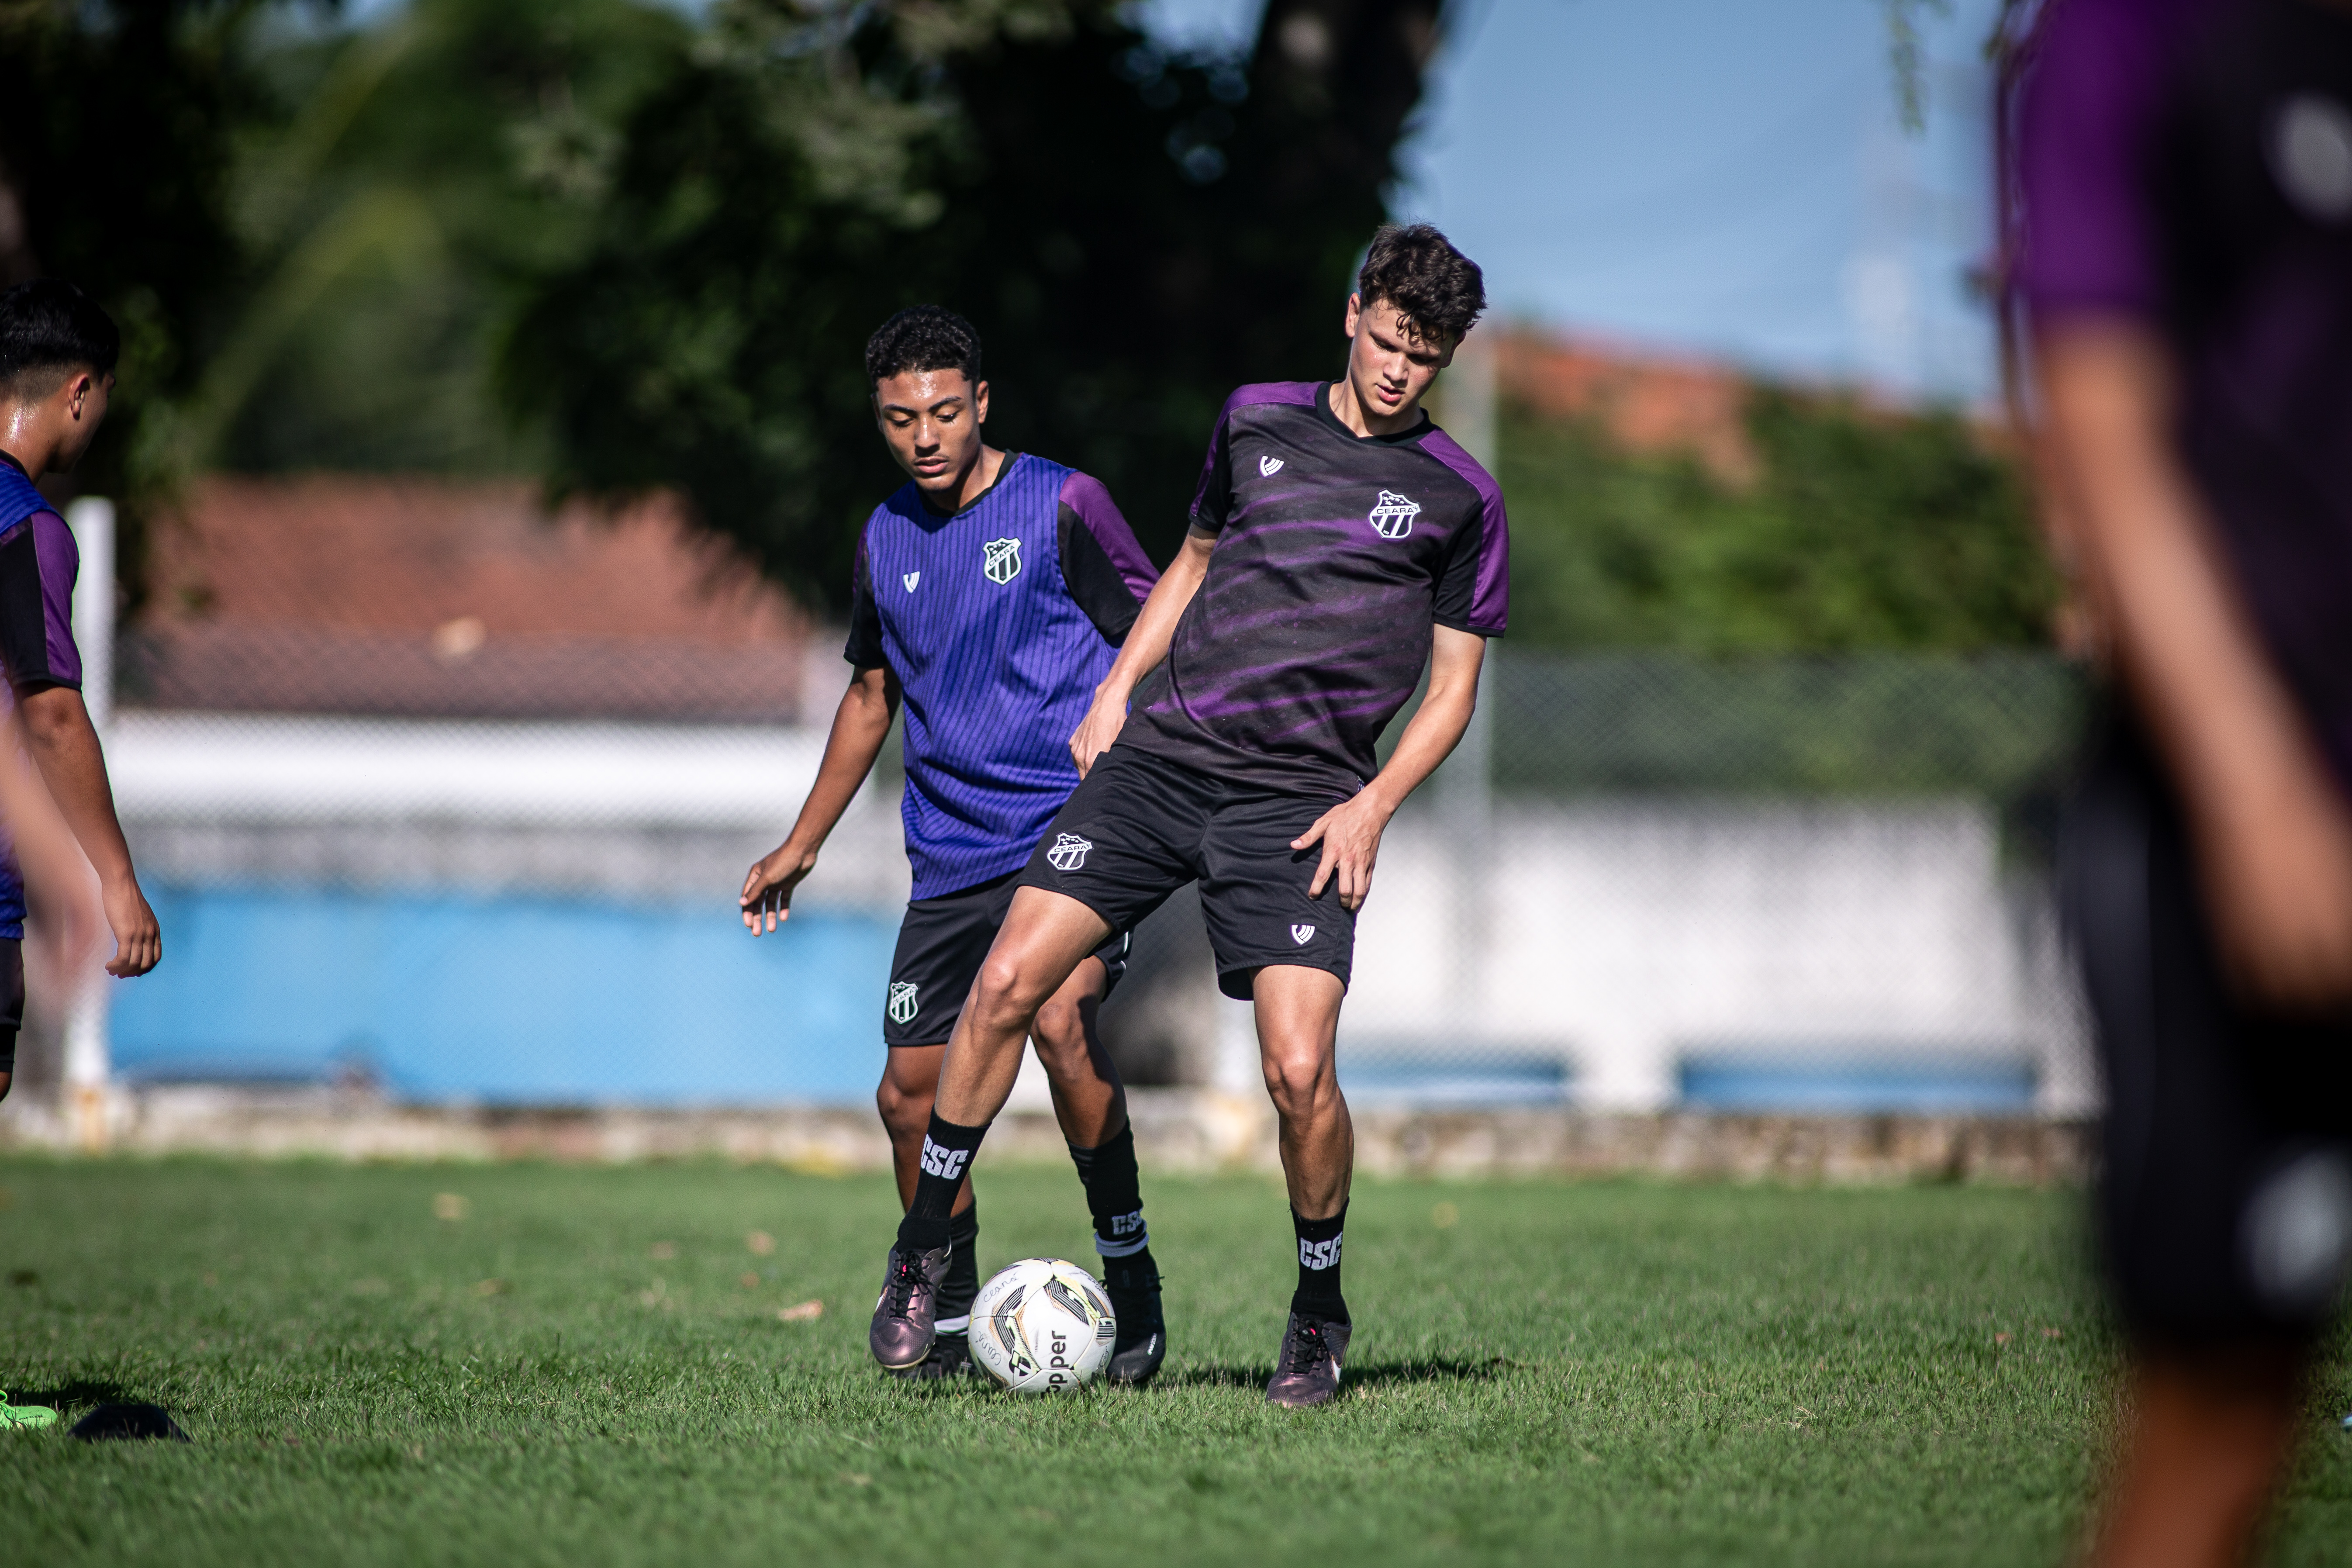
{"x": 58, "y": 351}
{"x": 2181, "y": 174}
{"x": 991, "y": 593}
{"x": 1340, "y": 543}
{"x": 65, "y": 905}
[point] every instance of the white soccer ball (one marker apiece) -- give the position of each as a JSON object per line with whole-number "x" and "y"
{"x": 1042, "y": 1326}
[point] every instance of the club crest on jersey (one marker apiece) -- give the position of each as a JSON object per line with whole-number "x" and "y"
{"x": 1001, "y": 560}
{"x": 1068, "y": 853}
{"x": 910, "y": 579}
{"x": 1302, "y": 935}
{"x": 1269, "y": 467}
{"x": 903, "y": 1005}
{"x": 1392, "y": 515}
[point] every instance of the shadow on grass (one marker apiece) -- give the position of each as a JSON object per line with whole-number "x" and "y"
{"x": 1369, "y": 1374}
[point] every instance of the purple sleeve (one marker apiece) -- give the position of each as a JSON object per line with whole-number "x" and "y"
{"x": 863, "y": 649}
{"x": 60, "y": 559}
{"x": 1474, "y": 594}
{"x": 1091, "y": 504}
{"x": 2085, "y": 124}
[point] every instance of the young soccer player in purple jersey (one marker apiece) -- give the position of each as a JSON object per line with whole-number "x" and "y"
{"x": 1339, "y": 542}
{"x": 991, "y": 595}
{"x": 2182, "y": 179}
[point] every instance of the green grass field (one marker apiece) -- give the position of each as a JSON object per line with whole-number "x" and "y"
{"x": 589, "y": 1367}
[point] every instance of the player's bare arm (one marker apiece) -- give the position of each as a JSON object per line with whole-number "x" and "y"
{"x": 64, "y": 745}
{"x": 2274, "y": 839}
{"x": 1350, "y": 833}
{"x": 1145, "y": 645}
{"x": 860, "y": 725}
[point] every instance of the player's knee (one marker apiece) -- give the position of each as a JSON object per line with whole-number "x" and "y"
{"x": 1060, "y": 1030}
{"x": 1008, "y": 991}
{"x": 1297, "y": 1080}
{"x": 904, "y": 1107}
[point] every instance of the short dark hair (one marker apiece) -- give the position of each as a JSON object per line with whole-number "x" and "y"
{"x": 1416, "y": 268}
{"x": 49, "y": 328}
{"x": 922, "y": 337}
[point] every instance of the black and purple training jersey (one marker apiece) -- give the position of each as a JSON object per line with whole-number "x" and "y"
{"x": 39, "y": 563}
{"x": 2187, "y": 164}
{"x": 1335, "y": 554}
{"x": 999, "y": 623}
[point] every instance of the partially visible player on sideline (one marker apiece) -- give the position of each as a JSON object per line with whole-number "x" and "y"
{"x": 1339, "y": 542}
{"x": 2182, "y": 175}
{"x": 991, "y": 592}
{"x": 58, "y": 351}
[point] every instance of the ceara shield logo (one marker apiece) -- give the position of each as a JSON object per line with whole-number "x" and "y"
{"x": 1392, "y": 515}
{"x": 1302, "y": 935}
{"x": 903, "y": 1005}
{"x": 1068, "y": 853}
{"x": 1269, "y": 467}
{"x": 1001, "y": 560}
{"x": 910, "y": 579}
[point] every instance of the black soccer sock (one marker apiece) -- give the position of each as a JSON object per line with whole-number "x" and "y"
{"x": 1319, "y": 1267}
{"x": 948, "y": 1149}
{"x": 1114, "y": 1195}
{"x": 962, "y": 1283}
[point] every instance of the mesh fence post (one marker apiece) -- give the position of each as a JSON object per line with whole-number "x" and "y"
{"x": 87, "y": 1064}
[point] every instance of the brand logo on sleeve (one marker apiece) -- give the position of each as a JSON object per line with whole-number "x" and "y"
{"x": 1302, "y": 935}
{"x": 1001, "y": 560}
{"x": 1269, "y": 467}
{"x": 1392, "y": 515}
{"x": 910, "y": 579}
{"x": 903, "y": 1005}
{"x": 1068, "y": 853}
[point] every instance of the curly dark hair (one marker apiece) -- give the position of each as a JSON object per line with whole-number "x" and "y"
{"x": 49, "y": 328}
{"x": 922, "y": 337}
{"x": 1416, "y": 268}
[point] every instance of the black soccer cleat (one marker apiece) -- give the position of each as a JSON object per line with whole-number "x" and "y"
{"x": 905, "y": 1317}
{"x": 1307, "y": 1372}
{"x": 1143, "y": 1342}
{"x": 949, "y": 1362}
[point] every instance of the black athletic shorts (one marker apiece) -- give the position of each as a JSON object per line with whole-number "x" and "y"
{"x": 12, "y": 1001}
{"x": 2225, "y": 1202}
{"x": 940, "y": 945}
{"x": 1139, "y": 827}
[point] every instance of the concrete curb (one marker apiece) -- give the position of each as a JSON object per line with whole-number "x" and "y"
{"x": 1191, "y": 1131}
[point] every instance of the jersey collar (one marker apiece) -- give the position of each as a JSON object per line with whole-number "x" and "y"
{"x": 1400, "y": 439}
{"x": 10, "y": 459}
{"x": 1002, "y": 468}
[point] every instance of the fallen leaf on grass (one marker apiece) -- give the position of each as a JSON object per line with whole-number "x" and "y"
{"x": 2002, "y": 1339}
{"x": 451, "y": 1206}
{"x": 806, "y": 1312}
{"x": 662, "y": 1251}
{"x": 761, "y": 1242}
{"x": 491, "y": 1287}
{"x": 857, "y": 1477}
{"x": 749, "y": 1280}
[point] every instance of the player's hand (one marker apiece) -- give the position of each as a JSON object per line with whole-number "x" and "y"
{"x": 1350, "y": 836}
{"x": 2280, "y": 877}
{"x": 768, "y": 887}
{"x": 1097, "y": 729}
{"x": 138, "y": 939}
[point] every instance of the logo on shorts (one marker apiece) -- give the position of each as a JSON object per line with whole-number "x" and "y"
{"x": 1269, "y": 467}
{"x": 945, "y": 1164}
{"x": 910, "y": 579}
{"x": 1068, "y": 853}
{"x": 903, "y": 1005}
{"x": 1392, "y": 516}
{"x": 1311, "y": 1254}
{"x": 1302, "y": 935}
{"x": 1001, "y": 560}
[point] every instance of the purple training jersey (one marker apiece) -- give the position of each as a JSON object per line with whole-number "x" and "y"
{"x": 37, "y": 565}
{"x": 999, "y": 623}
{"x": 1335, "y": 554}
{"x": 2187, "y": 164}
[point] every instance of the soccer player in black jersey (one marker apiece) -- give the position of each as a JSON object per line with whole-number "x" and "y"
{"x": 1339, "y": 542}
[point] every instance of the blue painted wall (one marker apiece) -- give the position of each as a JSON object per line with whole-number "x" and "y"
{"x": 526, "y": 1000}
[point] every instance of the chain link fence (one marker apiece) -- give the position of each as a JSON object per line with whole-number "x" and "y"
{"x": 466, "y": 866}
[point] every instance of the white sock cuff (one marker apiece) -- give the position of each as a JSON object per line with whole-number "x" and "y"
{"x": 1141, "y": 1239}
{"x": 953, "y": 1325}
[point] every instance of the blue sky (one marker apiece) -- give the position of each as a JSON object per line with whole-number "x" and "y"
{"x": 1721, "y": 177}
